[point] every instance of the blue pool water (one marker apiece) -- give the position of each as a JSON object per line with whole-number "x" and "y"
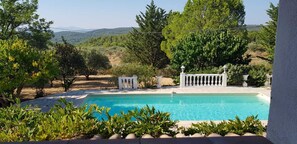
{"x": 188, "y": 106}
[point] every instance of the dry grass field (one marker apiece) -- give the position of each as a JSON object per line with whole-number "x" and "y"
{"x": 96, "y": 82}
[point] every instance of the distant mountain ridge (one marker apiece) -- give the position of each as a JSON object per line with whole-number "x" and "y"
{"x": 74, "y": 37}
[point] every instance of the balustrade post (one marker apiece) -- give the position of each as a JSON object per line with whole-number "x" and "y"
{"x": 182, "y": 77}
{"x": 159, "y": 80}
{"x": 245, "y": 78}
{"x": 268, "y": 80}
{"x": 120, "y": 83}
{"x": 135, "y": 82}
{"x": 225, "y": 77}
{"x": 182, "y": 80}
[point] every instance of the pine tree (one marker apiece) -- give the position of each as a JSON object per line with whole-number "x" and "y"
{"x": 144, "y": 43}
{"x": 268, "y": 33}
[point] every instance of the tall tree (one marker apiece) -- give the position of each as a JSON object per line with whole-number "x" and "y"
{"x": 201, "y": 15}
{"x": 21, "y": 65}
{"x": 208, "y": 49}
{"x": 19, "y": 18}
{"x": 268, "y": 33}
{"x": 71, "y": 62}
{"x": 144, "y": 43}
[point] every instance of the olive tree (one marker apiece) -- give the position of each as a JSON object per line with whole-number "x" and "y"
{"x": 71, "y": 62}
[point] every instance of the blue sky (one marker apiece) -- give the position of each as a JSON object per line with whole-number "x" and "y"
{"x": 92, "y": 14}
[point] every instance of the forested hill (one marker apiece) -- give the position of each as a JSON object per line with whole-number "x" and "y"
{"x": 78, "y": 37}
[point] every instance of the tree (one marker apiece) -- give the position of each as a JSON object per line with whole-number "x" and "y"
{"x": 19, "y": 18}
{"x": 267, "y": 36}
{"x": 203, "y": 15}
{"x": 145, "y": 43}
{"x": 95, "y": 61}
{"x": 20, "y": 64}
{"x": 71, "y": 62}
{"x": 199, "y": 51}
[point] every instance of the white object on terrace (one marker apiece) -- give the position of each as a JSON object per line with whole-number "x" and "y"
{"x": 245, "y": 78}
{"x": 268, "y": 80}
{"x": 128, "y": 82}
{"x": 203, "y": 80}
{"x": 159, "y": 80}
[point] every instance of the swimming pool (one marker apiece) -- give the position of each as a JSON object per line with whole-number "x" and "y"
{"x": 188, "y": 107}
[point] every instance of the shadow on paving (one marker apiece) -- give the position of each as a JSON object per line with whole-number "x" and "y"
{"x": 204, "y": 140}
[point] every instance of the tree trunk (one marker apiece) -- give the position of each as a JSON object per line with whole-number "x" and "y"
{"x": 87, "y": 77}
{"x": 19, "y": 90}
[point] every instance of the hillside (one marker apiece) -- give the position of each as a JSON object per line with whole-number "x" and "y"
{"x": 78, "y": 37}
{"x": 253, "y": 27}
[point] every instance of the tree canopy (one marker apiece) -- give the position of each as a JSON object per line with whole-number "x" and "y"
{"x": 199, "y": 51}
{"x": 145, "y": 43}
{"x": 201, "y": 15}
{"x": 21, "y": 64}
{"x": 19, "y": 19}
{"x": 71, "y": 62}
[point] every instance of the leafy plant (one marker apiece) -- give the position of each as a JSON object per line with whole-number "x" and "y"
{"x": 150, "y": 121}
{"x": 116, "y": 124}
{"x": 257, "y": 76}
{"x": 235, "y": 73}
{"x": 139, "y": 121}
{"x": 63, "y": 121}
{"x": 250, "y": 125}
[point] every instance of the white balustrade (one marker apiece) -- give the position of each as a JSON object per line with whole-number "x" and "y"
{"x": 197, "y": 80}
{"x": 203, "y": 80}
{"x": 128, "y": 82}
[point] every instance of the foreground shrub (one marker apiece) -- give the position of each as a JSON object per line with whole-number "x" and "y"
{"x": 144, "y": 73}
{"x": 250, "y": 125}
{"x": 153, "y": 122}
{"x": 63, "y": 121}
{"x": 139, "y": 121}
